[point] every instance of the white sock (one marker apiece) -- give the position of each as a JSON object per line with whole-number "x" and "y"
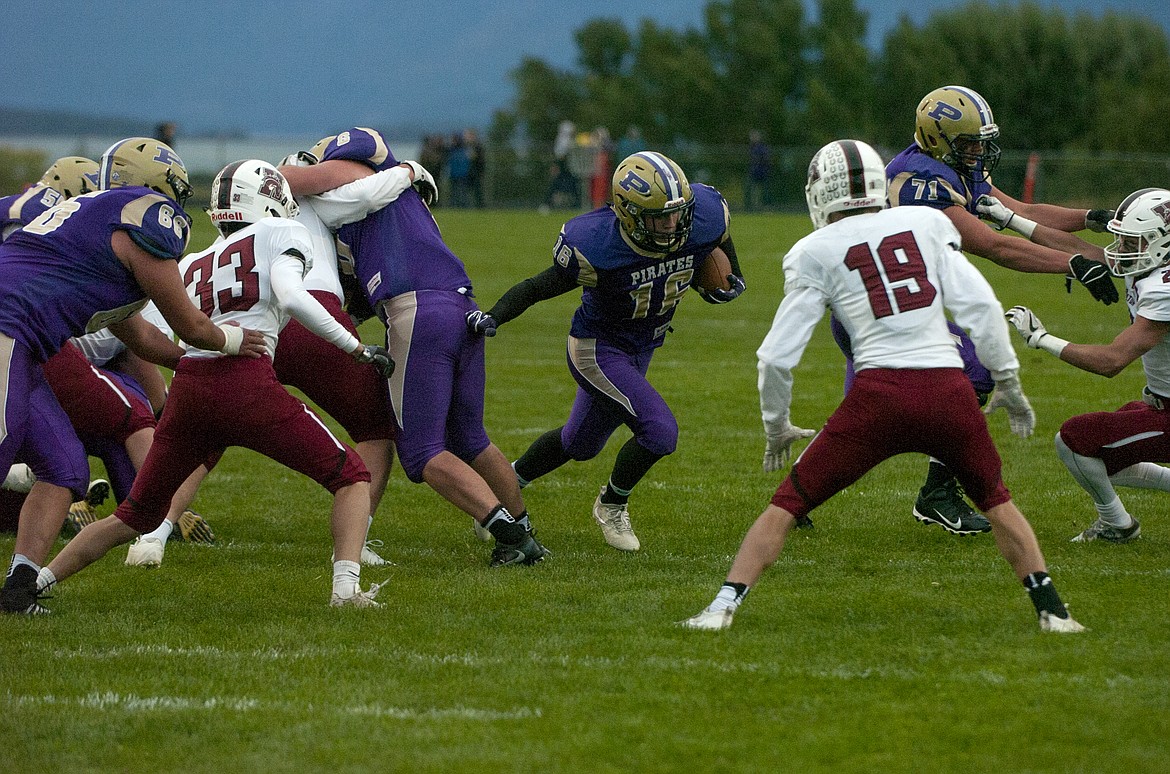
{"x": 45, "y": 578}
{"x": 1143, "y": 475}
{"x": 1114, "y": 514}
{"x": 726, "y": 599}
{"x": 18, "y": 559}
{"x": 163, "y": 531}
{"x": 346, "y": 576}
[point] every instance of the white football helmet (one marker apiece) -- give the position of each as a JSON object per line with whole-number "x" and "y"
{"x": 1142, "y": 227}
{"x": 844, "y": 175}
{"x": 246, "y": 191}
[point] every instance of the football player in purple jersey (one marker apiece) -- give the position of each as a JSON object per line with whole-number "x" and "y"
{"x": 65, "y": 178}
{"x": 948, "y": 167}
{"x": 891, "y": 276}
{"x": 635, "y": 261}
{"x": 420, "y": 290}
{"x": 88, "y": 263}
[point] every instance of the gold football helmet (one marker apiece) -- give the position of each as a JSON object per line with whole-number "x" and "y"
{"x": 71, "y": 176}
{"x": 955, "y": 125}
{"x": 146, "y": 162}
{"x": 653, "y": 202}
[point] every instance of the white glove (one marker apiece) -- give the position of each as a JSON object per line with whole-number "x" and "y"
{"x": 778, "y": 448}
{"x": 1029, "y": 326}
{"x": 991, "y": 208}
{"x": 1010, "y": 396}
{"x": 424, "y": 183}
{"x": 298, "y": 159}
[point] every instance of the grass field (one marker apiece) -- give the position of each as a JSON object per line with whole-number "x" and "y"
{"x": 875, "y": 643}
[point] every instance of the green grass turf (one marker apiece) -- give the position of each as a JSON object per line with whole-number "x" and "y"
{"x": 875, "y": 643}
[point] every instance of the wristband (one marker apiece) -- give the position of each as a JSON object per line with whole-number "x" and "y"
{"x": 1053, "y": 345}
{"x": 233, "y": 339}
{"x": 1021, "y": 225}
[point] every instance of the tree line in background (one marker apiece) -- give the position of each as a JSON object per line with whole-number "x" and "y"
{"x": 1091, "y": 88}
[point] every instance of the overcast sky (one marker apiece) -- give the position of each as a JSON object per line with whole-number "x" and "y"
{"x": 292, "y": 67}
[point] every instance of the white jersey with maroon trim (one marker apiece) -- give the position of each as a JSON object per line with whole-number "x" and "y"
{"x": 255, "y": 279}
{"x": 1149, "y": 296}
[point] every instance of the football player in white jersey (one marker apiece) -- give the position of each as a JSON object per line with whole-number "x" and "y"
{"x": 1104, "y": 449}
{"x": 253, "y": 278}
{"x": 889, "y": 275}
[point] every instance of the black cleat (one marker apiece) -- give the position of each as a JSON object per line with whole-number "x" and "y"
{"x": 946, "y": 507}
{"x": 19, "y": 595}
{"x": 527, "y": 551}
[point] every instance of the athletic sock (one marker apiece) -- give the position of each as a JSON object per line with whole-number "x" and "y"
{"x": 162, "y": 531}
{"x": 503, "y": 527}
{"x": 1114, "y": 514}
{"x": 346, "y": 576}
{"x": 611, "y": 495}
{"x": 1043, "y": 595}
{"x": 729, "y": 597}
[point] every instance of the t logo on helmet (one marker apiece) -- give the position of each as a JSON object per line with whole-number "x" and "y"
{"x": 632, "y": 181}
{"x": 944, "y": 111}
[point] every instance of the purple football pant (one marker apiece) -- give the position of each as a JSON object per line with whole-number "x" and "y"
{"x": 894, "y": 411}
{"x": 612, "y": 391}
{"x": 33, "y": 427}
{"x": 437, "y": 389}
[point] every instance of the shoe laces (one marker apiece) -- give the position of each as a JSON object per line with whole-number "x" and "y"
{"x": 618, "y": 516}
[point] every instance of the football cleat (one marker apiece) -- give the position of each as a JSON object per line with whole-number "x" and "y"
{"x": 19, "y": 595}
{"x": 146, "y": 551}
{"x": 192, "y": 528}
{"x": 946, "y": 507}
{"x": 614, "y": 521}
{"x": 1052, "y": 623}
{"x": 1109, "y": 533}
{"x": 359, "y": 598}
{"x": 370, "y": 557}
{"x": 709, "y": 620}
{"x": 527, "y": 551}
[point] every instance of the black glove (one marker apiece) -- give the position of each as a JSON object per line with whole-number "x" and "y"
{"x": 379, "y": 358}
{"x": 1094, "y": 276}
{"x": 720, "y": 296}
{"x": 481, "y": 323}
{"x": 1098, "y": 220}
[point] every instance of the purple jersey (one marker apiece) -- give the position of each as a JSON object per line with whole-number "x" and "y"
{"x": 59, "y": 276}
{"x": 397, "y": 249}
{"x": 629, "y": 296}
{"x": 21, "y": 208}
{"x": 916, "y": 177}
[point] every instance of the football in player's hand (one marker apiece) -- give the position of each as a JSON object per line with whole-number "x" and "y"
{"x": 712, "y": 273}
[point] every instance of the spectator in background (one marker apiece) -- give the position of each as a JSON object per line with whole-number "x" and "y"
{"x": 564, "y": 189}
{"x": 165, "y": 132}
{"x": 755, "y": 191}
{"x": 434, "y": 155}
{"x": 630, "y": 143}
{"x": 459, "y": 172}
{"x": 476, "y": 156}
{"x": 600, "y": 181}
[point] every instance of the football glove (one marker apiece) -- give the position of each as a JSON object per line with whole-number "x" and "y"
{"x": 298, "y": 159}
{"x": 779, "y": 447}
{"x": 481, "y": 323}
{"x": 1094, "y": 276}
{"x": 193, "y": 528}
{"x": 1028, "y": 324}
{"x": 424, "y": 183}
{"x": 1098, "y": 220}
{"x": 720, "y": 296}
{"x": 992, "y": 209}
{"x": 379, "y": 358}
{"x": 1010, "y": 396}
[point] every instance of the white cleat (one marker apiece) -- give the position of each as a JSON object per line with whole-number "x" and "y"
{"x": 614, "y": 521}
{"x": 146, "y": 551}
{"x": 370, "y": 557}
{"x": 1050, "y": 623}
{"x": 359, "y": 598}
{"x": 709, "y": 620}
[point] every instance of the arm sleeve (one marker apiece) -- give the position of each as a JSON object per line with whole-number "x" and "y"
{"x": 793, "y": 326}
{"x": 354, "y": 201}
{"x": 289, "y": 288}
{"x": 973, "y": 305}
{"x": 550, "y": 283}
{"x": 729, "y": 248}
